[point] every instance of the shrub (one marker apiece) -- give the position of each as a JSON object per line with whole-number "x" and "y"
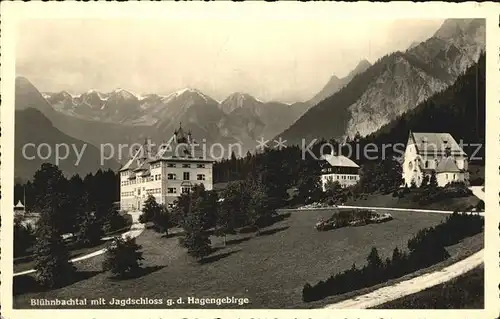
{"x": 90, "y": 232}
{"x": 480, "y": 206}
{"x": 24, "y": 237}
{"x": 115, "y": 221}
{"x": 123, "y": 257}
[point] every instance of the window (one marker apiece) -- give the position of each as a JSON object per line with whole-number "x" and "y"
{"x": 186, "y": 165}
{"x": 201, "y": 165}
{"x": 172, "y": 190}
{"x": 426, "y": 164}
{"x": 170, "y": 165}
{"x": 171, "y": 176}
{"x": 186, "y": 190}
{"x": 186, "y": 176}
{"x": 200, "y": 177}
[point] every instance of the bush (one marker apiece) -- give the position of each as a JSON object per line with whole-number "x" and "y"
{"x": 433, "y": 194}
{"x": 479, "y": 181}
{"x": 480, "y": 206}
{"x": 123, "y": 257}
{"x": 24, "y": 237}
{"x": 115, "y": 221}
{"x": 90, "y": 232}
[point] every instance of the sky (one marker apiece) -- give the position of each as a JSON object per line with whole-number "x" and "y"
{"x": 279, "y": 60}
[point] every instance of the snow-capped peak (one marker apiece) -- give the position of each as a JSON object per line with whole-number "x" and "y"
{"x": 185, "y": 91}
{"x": 124, "y": 93}
{"x": 240, "y": 96}
{"x": 69, "y": 95}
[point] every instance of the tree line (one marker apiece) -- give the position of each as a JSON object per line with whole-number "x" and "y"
{"x": 458, "y": 110}
{"x": 85, "y": 208}
{"x": 248, "y": 204}
{"x": 426, "y": 248}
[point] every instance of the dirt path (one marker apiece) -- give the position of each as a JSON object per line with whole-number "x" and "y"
{"x": 136, "y": 229}
{"x": 411, "y": 286}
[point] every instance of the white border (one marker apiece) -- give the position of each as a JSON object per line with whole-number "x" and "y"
{"x": 12, "y": 12}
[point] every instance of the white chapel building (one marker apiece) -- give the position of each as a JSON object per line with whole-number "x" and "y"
{"x": 438, "y": 152}
{"x": 338, "y": 168}
{"x": 165, "y": 171}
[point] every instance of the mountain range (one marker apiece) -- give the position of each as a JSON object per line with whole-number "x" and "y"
{"x": 369, "y": 97}
{"x": 394, "y": 84}
{"x": 335, "y": 84}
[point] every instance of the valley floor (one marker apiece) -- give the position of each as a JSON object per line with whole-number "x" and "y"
{"x": 269, "y": 269}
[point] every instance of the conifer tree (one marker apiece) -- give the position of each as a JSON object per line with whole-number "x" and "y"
{"x": 425, "y": 180}
{"x": 149, "y": 210}
{"x": 90, "y": 232}
{"x": 52, "y": 264}
{"x": 196, "y": 239}
{"x": 433, "y": 180}
{"x": 162, "y": 220}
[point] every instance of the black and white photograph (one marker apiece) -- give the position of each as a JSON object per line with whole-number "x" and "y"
{"x": 249, "y": 162}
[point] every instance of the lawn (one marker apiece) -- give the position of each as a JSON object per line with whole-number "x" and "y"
{"x": 270, "y": 269}
{"x": 464, "y": 292}
{"x": 379, "y": 200}
{"x": 26, "y": 262}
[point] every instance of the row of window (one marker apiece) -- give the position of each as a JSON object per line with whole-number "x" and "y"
{"x": 344, "y": 177}
{"x": 158, "y": 165}
{"x": 153, "y": 191}
{"x": 170, "y": 190}
{"x": 186, "y": 176}
{"x": 171, "y": 176}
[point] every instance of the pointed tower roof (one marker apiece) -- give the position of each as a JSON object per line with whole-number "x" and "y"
{"x": 180, "y": 135}
{"x": 19, "y": 204}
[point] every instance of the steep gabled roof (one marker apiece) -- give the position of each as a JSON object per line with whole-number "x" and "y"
{"x": 132, "y": 163}
{"x": 447, "y": 165}
{"x": 435, "y": 144}
{"x": 339, "y": 161}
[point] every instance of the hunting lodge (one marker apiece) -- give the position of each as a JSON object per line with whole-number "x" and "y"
{"x": 164, "y": 172}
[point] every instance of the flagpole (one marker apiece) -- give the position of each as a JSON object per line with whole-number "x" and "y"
{"x": 24, "y": 198}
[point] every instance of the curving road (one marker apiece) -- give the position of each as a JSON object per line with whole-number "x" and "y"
{"x": 136, "y": 229}
{"x": 411, "y": 286}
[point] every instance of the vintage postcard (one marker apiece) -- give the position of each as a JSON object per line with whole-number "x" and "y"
{"x": 250, "y": 160}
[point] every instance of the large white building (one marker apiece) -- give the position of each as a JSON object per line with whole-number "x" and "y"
{"x": 438, "y": 152}
{"x": 164, "y": 172}
{"x": 338, "y": 168}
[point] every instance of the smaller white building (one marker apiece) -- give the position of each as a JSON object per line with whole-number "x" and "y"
{"x": 434, "y": 152}
{"x": 338, "y": 168}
